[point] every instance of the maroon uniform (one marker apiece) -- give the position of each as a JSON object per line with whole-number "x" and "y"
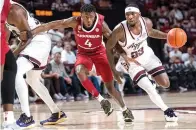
{"x": 90, "y": 48}
{"x": 4, "y": 45}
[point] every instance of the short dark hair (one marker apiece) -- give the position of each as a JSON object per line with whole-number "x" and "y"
{"x": 88, "y": 8}
{"x": 133, "y": 5}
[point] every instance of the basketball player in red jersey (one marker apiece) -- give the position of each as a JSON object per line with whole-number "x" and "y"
{"x": 8, "y": 70}
{"x": 89, "y": 29}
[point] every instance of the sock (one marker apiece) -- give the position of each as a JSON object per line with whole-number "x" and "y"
{"x": 23, "y": 66}
{"x": 88, "y": 85}
{"x": 124, "y": 108}
{"x": 146, "y": 85}
{"x": 8, "y": 117}
{"x": 34, "y": 81}
{"x": 99, "y": 98}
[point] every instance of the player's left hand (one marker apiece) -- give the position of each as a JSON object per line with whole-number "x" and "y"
{"x": 23, "y": 36}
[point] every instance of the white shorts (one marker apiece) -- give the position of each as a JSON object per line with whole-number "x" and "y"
{"x": 153, "y": 66}
{"x": 38, "y": 50}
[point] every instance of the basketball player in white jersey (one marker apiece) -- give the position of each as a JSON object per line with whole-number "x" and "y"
{"x": 31, "y": 62}
{"x": 132, "y": 36}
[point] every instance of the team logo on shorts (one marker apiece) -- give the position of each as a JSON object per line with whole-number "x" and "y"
{"x": 97, "y": 29}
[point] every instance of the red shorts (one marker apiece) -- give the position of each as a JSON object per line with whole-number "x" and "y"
{"x": 101, "y": 64}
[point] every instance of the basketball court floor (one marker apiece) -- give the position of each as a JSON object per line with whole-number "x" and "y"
{"x": 89, "y": 115}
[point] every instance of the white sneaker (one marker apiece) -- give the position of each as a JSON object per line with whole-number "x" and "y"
{"x": 57, "y": 97}
{"x": 10, "y": 126}
{"x": 61, "y": 96}
{"x": 170, "y": 115}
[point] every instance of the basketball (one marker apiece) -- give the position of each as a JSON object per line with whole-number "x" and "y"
{"x": 176, "y": 37}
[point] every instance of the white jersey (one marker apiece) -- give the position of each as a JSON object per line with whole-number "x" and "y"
{"x": 136, "y": 46}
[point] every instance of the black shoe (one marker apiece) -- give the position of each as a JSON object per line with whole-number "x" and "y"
{"x": 25, "y": 122}
{"x": 128, "y": 116}
{"x": 55, "y": 118}
{"x": 107, "y": 107}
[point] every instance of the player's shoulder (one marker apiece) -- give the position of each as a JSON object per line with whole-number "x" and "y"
{"x": 147, "y": 20}
{"x": 119, "y": 27}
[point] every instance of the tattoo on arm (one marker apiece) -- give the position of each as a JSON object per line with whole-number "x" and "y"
{"x": 154, "y": 33}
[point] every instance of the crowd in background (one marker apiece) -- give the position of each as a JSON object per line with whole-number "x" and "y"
{"x": 59, "y": 76}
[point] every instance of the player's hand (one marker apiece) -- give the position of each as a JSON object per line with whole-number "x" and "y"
{"x": 23, "y": 36}
{"x": 117, "y": 76}
{"x": 68, "y": 80}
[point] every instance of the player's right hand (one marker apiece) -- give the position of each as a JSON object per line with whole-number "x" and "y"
{"x": 117, "y": 76}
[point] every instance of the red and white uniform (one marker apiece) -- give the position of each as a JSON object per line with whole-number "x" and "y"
{"x": 4, "y": 9}
{"x": 90, "y": 48}
{"x": 136, "y": 47}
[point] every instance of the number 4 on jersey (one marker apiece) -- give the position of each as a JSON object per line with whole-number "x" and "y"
{"x": 88, "y": 43}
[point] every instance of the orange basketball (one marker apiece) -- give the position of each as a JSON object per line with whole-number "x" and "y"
{"x": 176, "y": 37}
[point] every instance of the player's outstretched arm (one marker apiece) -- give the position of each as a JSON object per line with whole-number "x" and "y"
{"x": 154, "y": 33}
{"x": 65, "y": 23}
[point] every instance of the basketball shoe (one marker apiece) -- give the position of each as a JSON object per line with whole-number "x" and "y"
{"x": 128, "y": 116}
{"x": 55, "y": 118}
{"x": 25, "y": 122}
{"x": 107, "y": 107}
{"x": 170, "y": 116}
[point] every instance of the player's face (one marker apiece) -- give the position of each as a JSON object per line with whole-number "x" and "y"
{"x": 88, "y": 18}
{"x": 132, "y": 18}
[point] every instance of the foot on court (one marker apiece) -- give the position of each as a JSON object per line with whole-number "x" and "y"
{"x": 25, "y": 122}
{"x": 55, "y": 118}
{"x": 128, "y": 116}
{"x": 107, "y": 107}
{"x": 10, "y": 126}
{"x": 170, "y": 116}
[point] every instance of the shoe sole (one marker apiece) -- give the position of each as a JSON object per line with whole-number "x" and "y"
{"x": 128, "y": 120}
{"x": 54, "y": 123}
{"x": 28, "y": 127}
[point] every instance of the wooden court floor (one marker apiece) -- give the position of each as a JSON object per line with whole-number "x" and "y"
{"x": 89, "y": 115}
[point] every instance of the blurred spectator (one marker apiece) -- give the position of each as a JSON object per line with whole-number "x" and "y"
{"x": 57, "y": 48}
{"x": 51, "y": 82}
{"x": 186, "y": 56}
{"x": 193, "y": 21}
{"x": 56, "y": 35}
{"x": 67, "y": 56}
{"x": 68, "y": 39}
{"x": 175, "y": 56}
{"x": 191, "y": 61}
{"x": 58, "y": 5}
{"x": 175, "y": 14}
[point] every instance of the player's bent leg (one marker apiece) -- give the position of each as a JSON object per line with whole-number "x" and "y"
{"x": 82, "y": 73}
{"x": 147, "y": 86}
{"x": 162, "y": 80}
{"x": 33, "y": 79}
{"x": 23, "y": 66}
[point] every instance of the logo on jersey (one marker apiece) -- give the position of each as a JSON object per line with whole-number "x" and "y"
{"x": 88, "y": 36}
{"x": 97, "y": 29}
{"x": 135, "y": 46}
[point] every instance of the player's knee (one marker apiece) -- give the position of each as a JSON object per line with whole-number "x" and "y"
{"x": 81, "y": 72}
{"x": 165, "y": 83}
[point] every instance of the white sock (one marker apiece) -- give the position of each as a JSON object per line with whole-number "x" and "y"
{"x": 147, "y": 86}
{"x": 99, "y": 98}
{"x": 124, "y": 108}
{"x": 23, "y": 66}
{"x": 8, "y": 117}
{"x": 33, "y": 79}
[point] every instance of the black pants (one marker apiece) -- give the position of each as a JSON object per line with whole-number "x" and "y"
{"x": 8, "y": 82}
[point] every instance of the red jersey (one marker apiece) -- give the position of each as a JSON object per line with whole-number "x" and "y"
{"x": 4, "y": 14}
{"x": 90, "y": 42}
